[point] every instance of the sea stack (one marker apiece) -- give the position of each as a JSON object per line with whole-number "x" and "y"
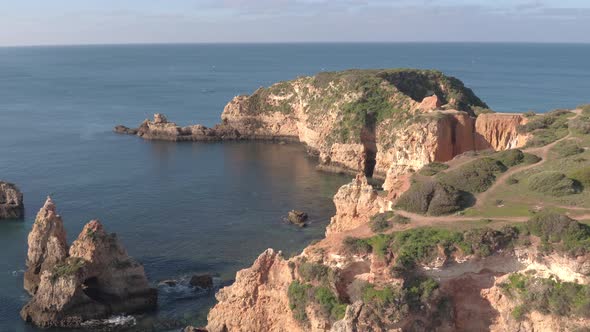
{"x": 11, "y": 201}
{"x": 94, "y": 279}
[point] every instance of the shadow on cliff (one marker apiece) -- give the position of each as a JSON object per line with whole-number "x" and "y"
{"x": 472, "y": 312}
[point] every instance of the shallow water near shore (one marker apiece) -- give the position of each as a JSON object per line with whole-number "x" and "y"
{"x": 185, "y": 208}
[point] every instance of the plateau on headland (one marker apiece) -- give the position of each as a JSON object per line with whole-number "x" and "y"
{"x": 92, "y": 279}
{"x": 480, "y": 223}
{"x": 11, "y": 201}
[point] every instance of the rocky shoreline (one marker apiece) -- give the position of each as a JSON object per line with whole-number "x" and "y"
{"x": 391, "y": 124}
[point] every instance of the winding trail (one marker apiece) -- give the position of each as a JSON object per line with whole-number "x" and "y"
{"x": 541, "y": 152}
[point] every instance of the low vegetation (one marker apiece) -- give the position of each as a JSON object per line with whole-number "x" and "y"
{"x": 67, "y": 268}
{"x": 547, "y": 128}
{"x": 384, "y": 221}
{"x": 433, "y": 169}
{"x": 476, "y": 176}
{"x": 560, "y": 233}
{"x": 582, "y": 175}
{"x": 316, "y": 288}
{"x": 548, "y": 296}
{"x": 430, "y": 197}
{"x": 567, "y": 148}
{"x": 552, "y": 184}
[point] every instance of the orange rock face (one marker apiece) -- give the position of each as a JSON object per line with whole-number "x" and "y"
{"x": 257, "y": 301}
{"x": 499, "y": 131}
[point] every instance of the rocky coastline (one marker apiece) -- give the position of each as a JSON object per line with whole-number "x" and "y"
{"x": 380, "y": 267}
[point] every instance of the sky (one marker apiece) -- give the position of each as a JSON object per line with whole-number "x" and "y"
{"x": 50, "y": 22}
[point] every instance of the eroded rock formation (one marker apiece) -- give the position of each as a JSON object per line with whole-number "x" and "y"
{"x": 47, "y": 245}
{"x": 355, "y": 203}
{"x": 257, "y": 301}
{"x": 94, "y": 279}
{"x": 11, "y": 201}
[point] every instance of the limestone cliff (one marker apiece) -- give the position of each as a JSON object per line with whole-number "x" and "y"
{"x": 499, "y": 131}
{"x": 11, "y": 201}
{"x": 94, "y": 279}
{"x": 407, "y": 283}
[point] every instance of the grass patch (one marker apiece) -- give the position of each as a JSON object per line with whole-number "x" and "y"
{"x": 547, "y": 128}
{"x": 329, "y": 303}
{"x": 433, "y": 169}
{"x": 552, "y": 184}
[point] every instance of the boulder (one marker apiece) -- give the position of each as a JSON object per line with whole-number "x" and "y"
{"x": 11, "y": 201}
{"x": 204, "y": 281}
{"x": 94, "y": 280}
{"x": 297, "y": 217}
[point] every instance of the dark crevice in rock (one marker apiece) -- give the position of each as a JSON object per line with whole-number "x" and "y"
{"x": 368, "y": 139}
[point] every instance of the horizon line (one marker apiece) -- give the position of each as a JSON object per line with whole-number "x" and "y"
{"x": 290, "y": 43}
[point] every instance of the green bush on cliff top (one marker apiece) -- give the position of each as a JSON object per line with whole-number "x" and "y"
{"x": 430, "y": 197}
{"x": 476, "y": 176}
{"x": 552, "y": 184}
{"x": 548, "y": 296}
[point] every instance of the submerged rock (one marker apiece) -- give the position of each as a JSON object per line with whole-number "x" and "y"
{"x": 297, "y": 218}
{"x": 204, "y": 281}
{"x": 94, "y": 280}
{"x": 11, "y": 201}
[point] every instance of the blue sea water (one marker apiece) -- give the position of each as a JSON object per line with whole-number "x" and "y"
{"x": 206, "y": 207}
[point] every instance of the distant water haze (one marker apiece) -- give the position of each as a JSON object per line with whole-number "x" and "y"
{"x": 183, "y": 208}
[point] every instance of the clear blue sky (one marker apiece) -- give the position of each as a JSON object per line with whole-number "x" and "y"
{"x": 34, "y": 22}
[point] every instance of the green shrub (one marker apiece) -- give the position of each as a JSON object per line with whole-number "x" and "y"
{"x": 567, "y": 148}
{"x": 356, "y": 246}
{"x": 560, "y": 232}
{"x": 474, "y": 177}
{"x": 298, "y": 295}
{"x": 552, "y": 183}
{"x": 582, "y": 175}
{"x": 315, "y": 272}
{"x": 430, "y": 197}
{"x": 420, "y": 244}
{"x": 529, "y": 114}
{"x": 381, "y": 222}
{"x": 548, "y": 296}
{"x": 329, "y": 303}
{"x": 379, "y": 298}
{"x": 510, "y": 157}
{"x": 419, "y": 290}
{"x": 433, "y": 169}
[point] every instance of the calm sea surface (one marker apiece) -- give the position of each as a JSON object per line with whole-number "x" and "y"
{"x": 194, "y": 208}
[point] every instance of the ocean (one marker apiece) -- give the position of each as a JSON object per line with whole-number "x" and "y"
{"x": 188, "y": 208}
